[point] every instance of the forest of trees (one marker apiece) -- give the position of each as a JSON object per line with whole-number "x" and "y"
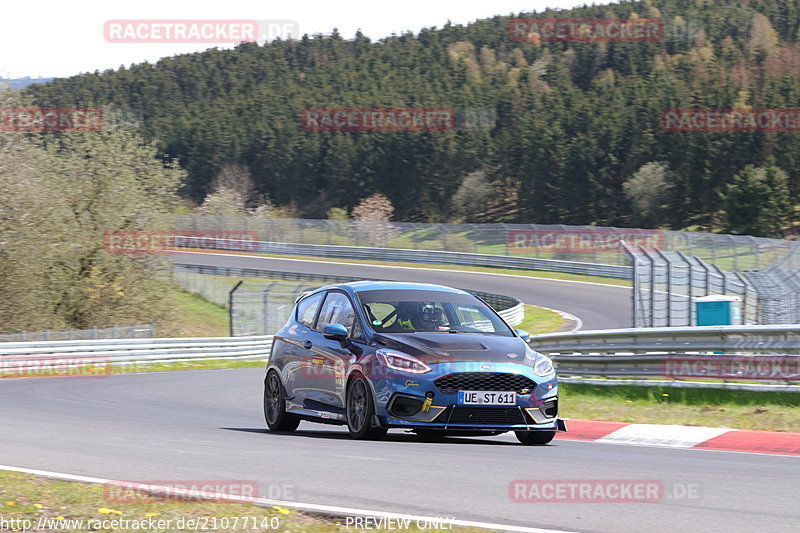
{"x": 576, "y": 139}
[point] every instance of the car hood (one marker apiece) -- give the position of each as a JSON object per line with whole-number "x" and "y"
{"x": 434, "y": 347}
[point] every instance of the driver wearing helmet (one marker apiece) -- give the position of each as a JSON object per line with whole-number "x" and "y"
{"x": 433, "y": 318}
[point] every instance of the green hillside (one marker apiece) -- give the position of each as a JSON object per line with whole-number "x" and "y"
{"x": 574, "y": 121}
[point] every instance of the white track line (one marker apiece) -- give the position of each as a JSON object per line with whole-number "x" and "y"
{"x": 330, "y": 509}
{"x": 404, "y": 267}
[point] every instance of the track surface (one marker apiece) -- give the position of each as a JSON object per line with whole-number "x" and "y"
{"x": 598, "y": 306}
{"x": 207, "y": 425}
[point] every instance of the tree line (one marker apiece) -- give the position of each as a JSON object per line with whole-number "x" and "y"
{"x": 574, "y": 138}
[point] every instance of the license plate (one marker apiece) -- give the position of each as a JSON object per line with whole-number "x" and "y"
{"x": 481, "y": 397}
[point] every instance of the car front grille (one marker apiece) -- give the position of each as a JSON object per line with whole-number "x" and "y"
{"x": 483, "y": 416}
{"x": 491, "y": 381}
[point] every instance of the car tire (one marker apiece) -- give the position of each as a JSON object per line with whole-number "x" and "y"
{"x": 360, "y": 409}
{"x": 535, "y": 438}
{"x": 275, "y": 406}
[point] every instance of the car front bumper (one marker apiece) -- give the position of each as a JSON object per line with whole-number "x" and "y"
{"x": 414, "y": 401}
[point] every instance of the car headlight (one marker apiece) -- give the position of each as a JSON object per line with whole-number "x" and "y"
{"x": 401, "y": 361}
{"x": 542, "y": 365}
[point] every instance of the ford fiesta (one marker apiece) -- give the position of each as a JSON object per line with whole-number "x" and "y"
{"x": 435, "y": 360}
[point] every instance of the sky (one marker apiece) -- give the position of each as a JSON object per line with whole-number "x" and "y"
{"x": 56, "y": 38}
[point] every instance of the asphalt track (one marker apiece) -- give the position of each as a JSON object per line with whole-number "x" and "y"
{"x": 598, "y": 306}
{"x": 208, "y": 425}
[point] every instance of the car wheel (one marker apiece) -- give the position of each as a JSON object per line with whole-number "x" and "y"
{"x": 535, "y": 438}
{"x": 275, "y": 406}
{"x": 360, "y": 408}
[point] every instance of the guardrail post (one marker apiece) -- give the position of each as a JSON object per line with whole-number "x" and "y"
{"x": 669, "y": 286}
{"x": 230, "y": 306}
{"x": 724, "y": 279}
{"x": 708, "y": 276}
{"x": 652, "y": 286}
{"x": 635, "y": 292}
{"x": 690, "y": 296}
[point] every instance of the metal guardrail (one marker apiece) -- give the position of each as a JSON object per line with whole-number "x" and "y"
{"x": 716, "y": 354}
{"x": 587, "y": 244}
{"x": 723, "y": 354}
{"x": 431, "y": 257}
{"x": 724, "y": 339}
{"x": 135, "y": 331}
{"x": 510, "y": 309}
{"x": 24, "y": 357}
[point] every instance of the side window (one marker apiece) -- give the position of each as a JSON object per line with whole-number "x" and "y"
{"x": 307, "y": 309}
{"x": 337, "y": 310}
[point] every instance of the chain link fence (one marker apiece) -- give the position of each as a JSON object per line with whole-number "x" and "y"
{"x": 262, "y": 306}
{"x": 258, "y": 305}
{"x": 138, "y": 331}
{"x": 587, "y": 244}
{"x": 671, "y": 267}
{"x": 665, "y": 285}
{"x": 779, "y": 289}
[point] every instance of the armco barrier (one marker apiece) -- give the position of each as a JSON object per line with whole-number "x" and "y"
{"x": 136, "y": 350}
{"x": 722, "y": 339}
{"x": 634, "y": 354}
{"x": 728, "y": 355}
{"x": 438, "y": 257}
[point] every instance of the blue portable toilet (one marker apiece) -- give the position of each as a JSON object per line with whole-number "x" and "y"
{"x": 718, "y": 311}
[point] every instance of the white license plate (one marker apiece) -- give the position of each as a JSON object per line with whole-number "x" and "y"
{"x": 481, "y": 397}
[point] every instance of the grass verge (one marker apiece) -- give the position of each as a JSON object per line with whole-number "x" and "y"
{"x": 540, "y": 320}
{"x": 197, "y": 317}
{"x": 72, "y": 506}
{"x": 771, "y": 411}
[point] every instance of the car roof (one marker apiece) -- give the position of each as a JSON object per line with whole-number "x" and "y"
{"x": 363, "y": 286}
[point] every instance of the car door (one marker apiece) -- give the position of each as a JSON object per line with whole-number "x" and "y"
{"x": 297, "y": 357}
{"x": 330, "y": 359}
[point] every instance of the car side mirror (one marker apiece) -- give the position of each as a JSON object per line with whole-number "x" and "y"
{"x": 522, "y": 334}
{"x": 336, "y": 332}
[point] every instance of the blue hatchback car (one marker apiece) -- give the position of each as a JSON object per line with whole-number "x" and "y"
{"x": 431, "y": 359}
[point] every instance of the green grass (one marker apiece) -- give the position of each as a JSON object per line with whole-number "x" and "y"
{"x": 205, "y": 364}
{"x": 541, "y": 320}
{"x": 197, "y": 317}
{"x": 773, "y": 411}
{"x": 28, "y": 497}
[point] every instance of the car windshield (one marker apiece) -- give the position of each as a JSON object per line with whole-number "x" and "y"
{"x": 401, "y": 311}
